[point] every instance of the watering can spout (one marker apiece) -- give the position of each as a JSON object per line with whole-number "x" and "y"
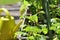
{"x": 17, "y": 26}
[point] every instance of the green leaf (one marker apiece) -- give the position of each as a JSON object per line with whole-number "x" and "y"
{"x": 36, "y": 34}
{"x": 33, "y": 18}
{"x": 56, "y": 38}
{"x": 52, "y": 6}
{"x": 17, "y": 34}
{"x": 45, "y": 31}
{"x": 58, "y": 31}
{"x": 33, "y": 29}
{"x": 53, "y": 28}
{"x": 31, "y": 38}
{"x": 58, "y": 11}
{"x": 42, "y": 38}
{"x": 24, "y": 7}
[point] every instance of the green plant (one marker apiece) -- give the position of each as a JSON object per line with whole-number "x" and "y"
{"x": 32, "y": 32}
{"x": 44, "y": 20}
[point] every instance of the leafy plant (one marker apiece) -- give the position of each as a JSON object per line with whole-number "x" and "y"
{"x": 32, "y": 33}
{"x": 44, "y": 20}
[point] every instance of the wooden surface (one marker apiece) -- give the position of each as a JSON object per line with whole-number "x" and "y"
{"x": 14, "y": 11}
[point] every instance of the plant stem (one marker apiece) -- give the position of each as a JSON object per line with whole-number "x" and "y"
{"x": 46, "y": 9}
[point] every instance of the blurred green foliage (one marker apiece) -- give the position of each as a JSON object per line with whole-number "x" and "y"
{"x": 3, "y": 2}
{"x": 38, "y": 30}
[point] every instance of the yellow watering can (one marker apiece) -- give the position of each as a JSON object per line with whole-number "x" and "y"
{"x": 7, "y": 25}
